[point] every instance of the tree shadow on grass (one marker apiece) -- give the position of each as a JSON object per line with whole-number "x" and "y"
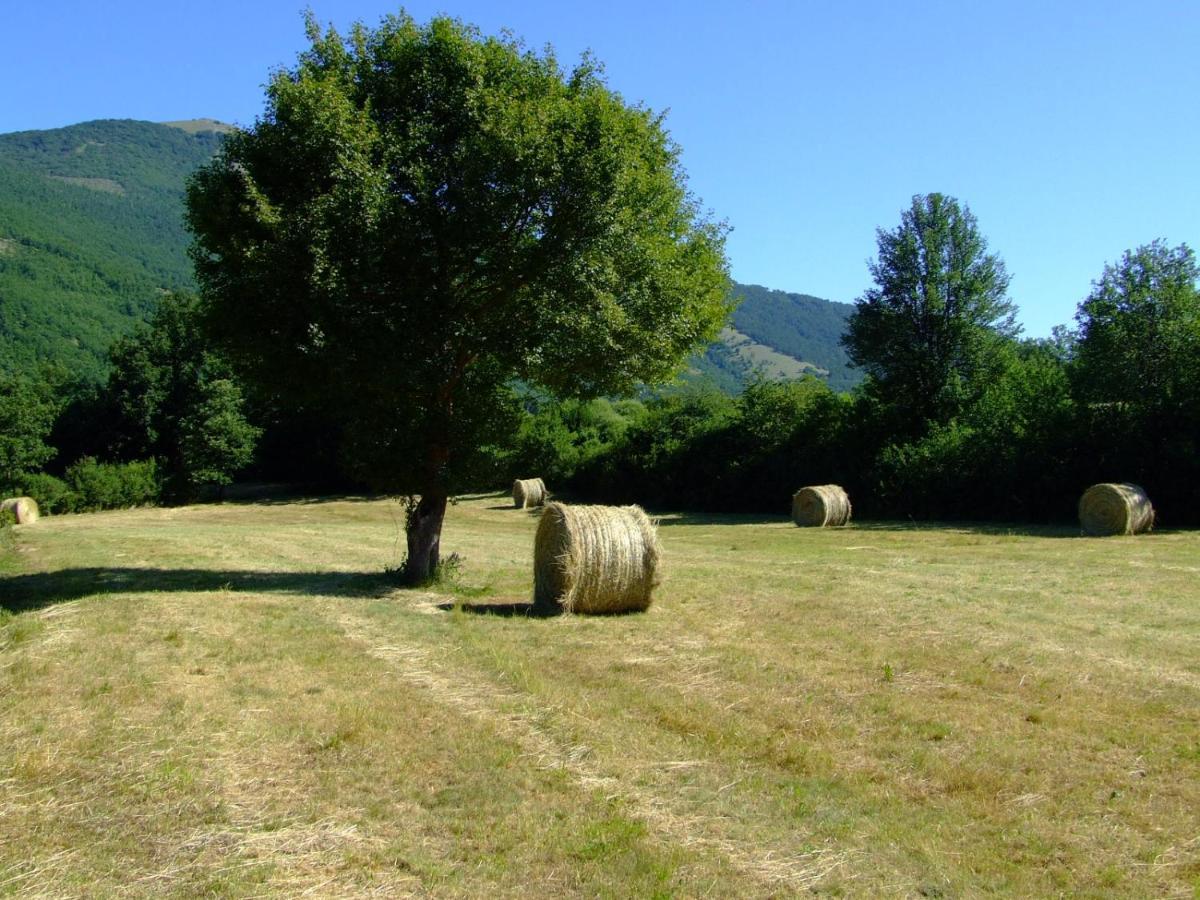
{"x": 1023, "y": 529}
{"x": 21, "y": 593}
{"x": 527, "y": 610}
{"x": 504, "y": 610}
{"x": 675, "y": 519}
{"x": 999, "y": 529}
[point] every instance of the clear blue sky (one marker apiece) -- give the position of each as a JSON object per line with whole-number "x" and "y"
{"x": 1071, "y": 129}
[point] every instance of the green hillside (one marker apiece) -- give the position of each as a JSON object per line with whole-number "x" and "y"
{"x": 803, "y": 327}
{"x": 91, "y": 233}
{"x": 778, "y": 335}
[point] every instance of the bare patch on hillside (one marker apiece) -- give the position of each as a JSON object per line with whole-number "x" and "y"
{"x": 197, "y": 126}
{"x": 771, "y": 362}
{"x": 104, "y": 185}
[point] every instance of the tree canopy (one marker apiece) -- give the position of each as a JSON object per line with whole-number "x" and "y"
{"x": 1139, "y": 332}
{"x": 929, "y": 332}
{"x": 172, "y": 398}
{"x": 27, "y": 411}
{"x": 423, "y": 216}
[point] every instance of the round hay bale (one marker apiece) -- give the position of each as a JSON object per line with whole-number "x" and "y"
{"x": 529, "y": 492}
{"x": 594, "y": 559}
{"x": 25, "y": 509}
{"x": 821, "y": 505}
{"x": 1115, "y": 509}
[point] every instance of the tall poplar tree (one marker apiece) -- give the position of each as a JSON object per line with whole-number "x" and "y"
{"x": 930, "y": 332}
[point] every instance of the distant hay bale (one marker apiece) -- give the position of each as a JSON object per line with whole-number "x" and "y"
{"x": 821, "y": 505}
{"x": 529, "y": 492}
{"x": 25, "y": 509}
{"x": 595, "y": 559}
{"x": 1115, "y": 509}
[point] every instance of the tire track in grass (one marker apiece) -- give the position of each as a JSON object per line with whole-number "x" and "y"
{"x": 772, "y": 869}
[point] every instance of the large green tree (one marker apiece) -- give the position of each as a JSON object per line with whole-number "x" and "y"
{"x": 1136, "y": 369}
{"x": 173, "y": 399}
{"x": 423, "y": 216}
{"x": 1138, "y": 343}
{"x": 930, "y": 333}
{"x": 28, "y": 408}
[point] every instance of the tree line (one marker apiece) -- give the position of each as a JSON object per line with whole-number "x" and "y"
{"x": 959, "y": 417}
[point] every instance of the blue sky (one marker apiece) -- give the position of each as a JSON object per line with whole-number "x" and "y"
{"x": 1072, "y": 130}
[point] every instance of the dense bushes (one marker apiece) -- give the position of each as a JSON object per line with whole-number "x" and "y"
{"x": 89, "y": 485}
{"x": 1023, "y": 451}
{"x": 97, "y": 485}
{"x": 995, "y": 428}
{"x": 53, "y": 495}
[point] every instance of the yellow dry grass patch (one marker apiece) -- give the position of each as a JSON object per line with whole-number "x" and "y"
{"x": 232, "y": 701}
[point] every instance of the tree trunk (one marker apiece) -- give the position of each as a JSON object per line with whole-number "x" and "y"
{"x": 424, "y": 533}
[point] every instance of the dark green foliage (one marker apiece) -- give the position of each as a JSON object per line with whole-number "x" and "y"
{"x": 174, "y": 400}
{"x": 91, "y": 233}
{"x": 1139, "y": 334}
{"x": 424, "y": 216}
{"x": 28, "y": 408}
{"x": 805, "y": 327}
{"x": 1137, "y": 373}
{"x": 95, "y": 485}
{"x": 53, "y": 495}
{"x": 1011, "y": 455}
{"x": 667, "y": 453}
{"x": 88, "y": 485}
{"x": 215, "y": 438}
{"x": 557, "y": 439}
{"x": 932, "y": 331}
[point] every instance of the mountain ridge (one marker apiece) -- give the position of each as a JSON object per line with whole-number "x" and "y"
{"x": 92, "y": 234}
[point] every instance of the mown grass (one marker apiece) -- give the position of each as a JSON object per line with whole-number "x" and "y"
{"x": 235, "y": 701}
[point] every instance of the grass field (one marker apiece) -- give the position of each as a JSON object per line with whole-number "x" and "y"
{"x": 233, "y": 701}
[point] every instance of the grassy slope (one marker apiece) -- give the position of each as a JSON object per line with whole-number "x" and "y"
{"x": 801, "y": 326}
{"x": 779, "y": 335}
{"x": 228, "y": 700}
{"x": 91, "y": 233}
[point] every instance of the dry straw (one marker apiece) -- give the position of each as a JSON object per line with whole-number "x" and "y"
{"x": 1115, "y": 509}
{"x": 820, "y": 505}
{"x": 25, "y": 509}
{"x": 594, "y": 559}
{"x": 529, "y": 492}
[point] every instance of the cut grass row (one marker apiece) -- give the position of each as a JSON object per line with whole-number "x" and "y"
{"x": 232, "y": 700}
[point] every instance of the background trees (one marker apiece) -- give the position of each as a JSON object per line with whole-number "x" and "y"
{"x": 1139, "y": 334}
{"x": 1136, "y": 372}
{"x": 931, "y": 330}
{"x": 28, "y": 408}
{"x": 173, "y": 399}
{"x": 422, "y": 216}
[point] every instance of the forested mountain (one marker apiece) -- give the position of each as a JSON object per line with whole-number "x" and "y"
{"x": 782, "y": 335}
{"x": 91, "y": 233}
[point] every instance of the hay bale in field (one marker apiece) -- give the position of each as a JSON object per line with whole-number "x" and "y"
{"x": 821, "y": 505}
{"x": 1115, "y": 509}
{"x": 529, "y": 492}
{"x": 594, "y": 559}
{"x": 25, "y": 509}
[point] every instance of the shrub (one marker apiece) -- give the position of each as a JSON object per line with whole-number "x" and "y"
{"x": 114, "y": 485}
{"x": 53, "y": 495}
